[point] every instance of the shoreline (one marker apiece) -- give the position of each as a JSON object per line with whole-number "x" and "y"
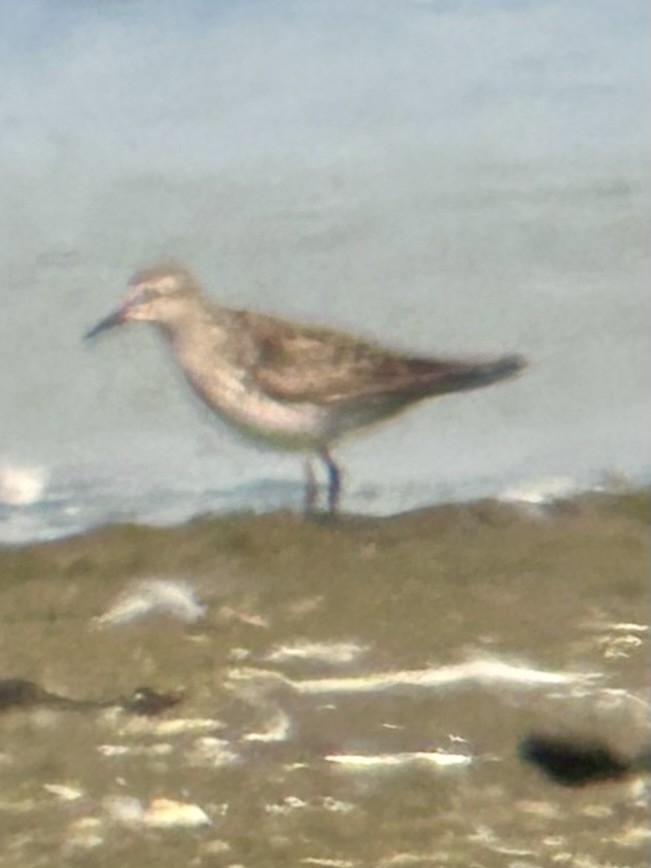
{"x": 634, "y": 502}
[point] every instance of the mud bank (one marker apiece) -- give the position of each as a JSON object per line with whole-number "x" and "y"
{"x": 430, "y": 639}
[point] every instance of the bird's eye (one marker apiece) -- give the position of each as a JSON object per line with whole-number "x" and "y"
{"x": 148, "y": 294}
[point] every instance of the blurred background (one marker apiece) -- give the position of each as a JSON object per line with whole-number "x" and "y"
{"x": 467, "y": 177}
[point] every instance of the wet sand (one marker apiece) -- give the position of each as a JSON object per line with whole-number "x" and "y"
{"x": 352, "y": 692}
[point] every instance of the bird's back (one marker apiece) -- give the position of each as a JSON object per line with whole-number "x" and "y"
{"x": 299, "y": 362}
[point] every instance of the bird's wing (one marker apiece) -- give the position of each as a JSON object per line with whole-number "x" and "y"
{"x": 297, "y": 363}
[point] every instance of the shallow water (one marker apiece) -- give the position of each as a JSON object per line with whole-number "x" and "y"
{"x": 352, "y": 693}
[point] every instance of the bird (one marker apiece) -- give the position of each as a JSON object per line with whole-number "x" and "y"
{"x": 289, "y": 385}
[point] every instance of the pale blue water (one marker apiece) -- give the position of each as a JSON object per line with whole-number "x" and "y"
{"x": 446, "y": 177}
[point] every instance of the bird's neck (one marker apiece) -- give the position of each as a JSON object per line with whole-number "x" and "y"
{"x": 186, "y": 321}
{"x": 197, "y": 335}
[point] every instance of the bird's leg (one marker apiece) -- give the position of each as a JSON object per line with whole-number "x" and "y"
{"x": 334, "y": 481}
{"x": 311, "y": 488}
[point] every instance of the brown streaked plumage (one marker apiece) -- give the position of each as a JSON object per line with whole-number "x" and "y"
{"x": 290, "y": 385}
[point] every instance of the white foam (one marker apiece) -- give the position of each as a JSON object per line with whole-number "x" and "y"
{"x": 541, "y": 492}
{"x": 336, "y": 653}
{"x": 630, "y": 627}
{"x": 150, "y": 750}
{"x": 371, "y": 762}
{"x": 161, "y": 813}
{"x": 211, "y": 752}
{"x": 175, "y": 726}
{"x": 484, "y": 671}
{"x": 290, "y": 804}
{"x": 328, "y": 863}
{"x": 65, "y": 792}
{"x": 21, "y": 486}
{"x": 154, "y": 596}
{"x": 278, "y": 728}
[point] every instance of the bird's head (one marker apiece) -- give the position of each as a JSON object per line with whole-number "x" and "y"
{"x": 154, "y": 294}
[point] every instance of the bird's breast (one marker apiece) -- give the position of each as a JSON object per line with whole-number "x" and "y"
{"x": 230, "y": 395}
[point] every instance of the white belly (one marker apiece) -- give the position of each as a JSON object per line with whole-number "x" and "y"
{"x": 259, "y": 417}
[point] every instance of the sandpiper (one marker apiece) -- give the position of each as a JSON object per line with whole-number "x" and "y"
{"x": 290, "y": 385}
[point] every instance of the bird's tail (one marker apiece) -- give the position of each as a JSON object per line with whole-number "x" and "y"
{"x": 439, "y": 376}
{"x": 485, "y": 373}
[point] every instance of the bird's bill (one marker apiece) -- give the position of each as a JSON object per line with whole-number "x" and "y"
{"x": 114, "y": 319}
